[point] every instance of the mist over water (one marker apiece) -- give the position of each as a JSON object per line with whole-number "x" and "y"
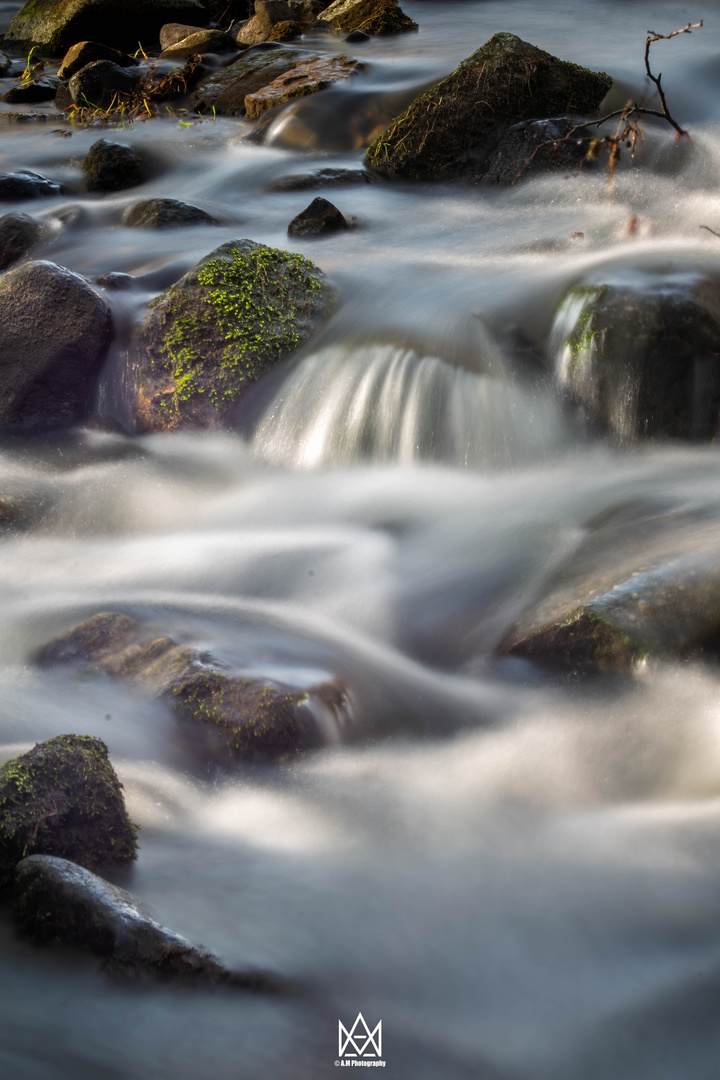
{"x": 517, "y": 872}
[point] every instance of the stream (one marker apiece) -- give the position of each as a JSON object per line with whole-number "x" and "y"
{"x": 518, "y": 873}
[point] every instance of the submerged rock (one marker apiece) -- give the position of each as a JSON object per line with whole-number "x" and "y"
{"x": 224, "y": 718}
{"x": 54, "y": 335}
{"x": 531, "y": 147}
{"x": 52, "y": 26}
{"x": 317, "y": 219}
{"x": 372, "y": 17}
{"x": 226, "y": 90}
{"x": 86, "y": 52}
{"x": 56, "y": 900}
{"x": 307, "y": 77}
{"x": 63, "y": 798}
{"x": 238, "y": 312}
{"x": 321, "y": 178}
{"x": 19, "y": 234}
{"x": 110, "y": 166}
{"x": 25, "y": 184}
{"x": 643, "y": 361}
{"x": 166, "y": 214}
{"x": 450, "y": 131}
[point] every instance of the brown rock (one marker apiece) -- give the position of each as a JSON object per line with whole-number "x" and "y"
{"x": 307, "y": 77}
{"x": 85, "y": 52}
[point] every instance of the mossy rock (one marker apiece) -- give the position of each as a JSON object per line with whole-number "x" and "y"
{"x": 449, "y": 131}
{"x": 212, "y": 334}
{"x": 63, "y": 798}
{"x": 643, "y": 362}
{"x": 52, "y": 26}
{"x": 374, "y": 17}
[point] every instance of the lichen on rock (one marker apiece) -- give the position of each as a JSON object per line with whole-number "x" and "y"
{"x": 449, "y": 131}
{"x": 374, "y": 17}
{"x": 64, "y": 798}
{"x": 229, "y": 319}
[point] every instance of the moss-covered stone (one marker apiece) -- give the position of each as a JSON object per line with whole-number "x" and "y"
{"x": 229, "y": 319}
{"x": 374, "y": 17}
{"x": 52, "y": 26}
{"x": 449, "y": 131}
{"x": 63, "y": 798}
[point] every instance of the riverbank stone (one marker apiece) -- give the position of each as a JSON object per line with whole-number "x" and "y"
{"x": 111, "y": 166}
{"x": 642, "y": 361}
{"x": 19, "y": 235}
{"x": 225, "y": 90}
{"x": 87, "y": 52}
{"x": 307, "y": 77}
{"x": 372, "y": 17}
{"x": 449, "y": 132}
{"x": 64, "y": 798}
{"x": 53, "y": 26}
{"x": 32, "y": 92}
{"x": 210, "y": 336}
{"x": 54, "y": 335}
{"x": 199, "y": 43}
{"x": 100, "y": 84}
{"x": 57, "y": 900}
{"x": 165, "y": 214}
{"x": 267, "y": 14}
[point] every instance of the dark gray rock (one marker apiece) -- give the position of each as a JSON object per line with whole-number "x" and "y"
{"x": 110, "y": 166}
{"x": 52, "y": 26}
{"x": 101, "y": 84}
{"x": 115, "y": 280}
{"x": 87, "y": 52}
{"x": 54, "y": 335}
{"x": 532, "y": 147}
{"x": 19, "y": 234}
{"x": 166, "y": 214}
{"x": 210, "y": 336}
{"x": 318, "y": 219}
{"x": 25, "y": 184}
{"x": 31, "y": 92}
{"x": 321, "y": 178}
{"x": 63, "y": 798}
{"x": 225, "y": 90}
{"x": 5, "y": 64}
{"x": 56, "y": 900}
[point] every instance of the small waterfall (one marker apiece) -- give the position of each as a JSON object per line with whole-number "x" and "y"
{"x": 385, "y": 403}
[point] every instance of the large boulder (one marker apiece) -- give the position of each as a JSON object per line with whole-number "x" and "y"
{"x": 54, "y": 335}
{"x": 211, "y": 335}
{"x": 449, "y": 131}
{"x": 643, "y": 360}
{"x": 307, "y": 77}
{"x": 56, "y": 900}
{"x": 52, "y": 26}
{"x": 63, "y": 798}
{"x": 373, "y": 17}
{"x": 225, "y": 90}
{"x": 223, "y": 718}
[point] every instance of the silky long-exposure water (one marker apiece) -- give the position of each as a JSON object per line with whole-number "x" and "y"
{"x": 519, "y": 874}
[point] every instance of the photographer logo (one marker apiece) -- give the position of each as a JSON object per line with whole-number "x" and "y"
{"x": 360, "y": 1047}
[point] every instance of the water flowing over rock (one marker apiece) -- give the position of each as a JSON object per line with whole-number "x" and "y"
{"x": 56, "y": 900}
{"x": 54, "y": 335}
{"x": 307, "y": 77}
{"x": 369, "y": 16}
{"x": 225, "y": 90}
{"x": 238, "y": 312}
{"x": 642, "y": 359}
{"x": 25, "y": 184}
{"x": 64, "y": 798}
{"x": 449, "y": 131}
{"x": 52, "y": 26}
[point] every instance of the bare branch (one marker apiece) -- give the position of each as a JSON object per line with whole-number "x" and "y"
{"x": 652, "y": 36}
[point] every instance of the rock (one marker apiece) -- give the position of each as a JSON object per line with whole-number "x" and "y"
{"x": 450, "y": 131}
{"x": 643, "y": 361}
{"x": 5, "y": 64}
{"x": 56, "y": 900}
{"x": 523, "y": 152}
{"x": 25, "y": 184}
{"x": 373, "y": 17}
{"x": 226, "y": 90}
{"x": 317, "y": 219}
{"x": 54, "y": 335}
{"x": 285, "y": 31}
{"x": 222, "y": 718}
{"x": 306, "y": 11}
{"x": 63, "y": 798}
{"x": 267, "y": 14}
{"x": 19, "y": 234}
{"x": 30, "y": 93}
{"x": 165, "y": 214}
{"x": 307, "y": 77}
{"x": 172, "y": 33}
{"x": 115, "y": 280}
{"x": 86, "y": 52}
{"x": 211, "y": 335}
{"x": 52, "y": 26}
{"x": 110, "y": 166}
{"x": 356, "y": 37}
{"x": 653, "y": 591}
{"x": 321, "y": 178}
{"x": 102, "y": 84}
{"x": 204, "y": 41}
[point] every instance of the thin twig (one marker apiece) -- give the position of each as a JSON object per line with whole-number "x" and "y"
{"x": 710, "y": 230}
{"x": 652, "y": 36}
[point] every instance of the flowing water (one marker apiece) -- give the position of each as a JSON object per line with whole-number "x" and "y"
{"x": 519, "y": 875}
